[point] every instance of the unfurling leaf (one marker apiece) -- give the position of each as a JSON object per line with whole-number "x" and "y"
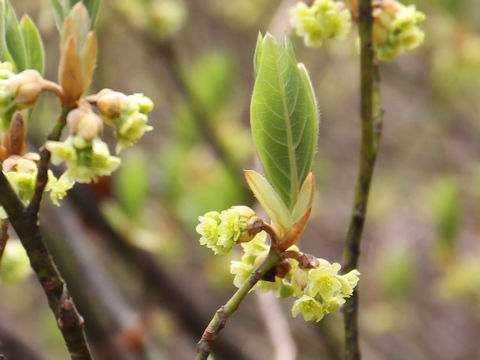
{"x": 269, "y": 199}
{"x": 70, "y": 74}
{"x": 284, "y": 118}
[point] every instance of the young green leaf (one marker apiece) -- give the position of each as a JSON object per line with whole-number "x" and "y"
{"x": 284, "y": 120}
{"x": 14, "y": 39}
{"x": 269, "y": 199}
{"x": 257, "y": 54}
{"x": 58, "y": 12}
{"x": 305, "y": 197}
{"x": 3, "y": 45}
{"x": 33, "y": 44}
{"x": 61, "y": 9}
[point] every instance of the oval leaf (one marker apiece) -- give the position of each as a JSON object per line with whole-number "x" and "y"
{"x": 284, "y": 121}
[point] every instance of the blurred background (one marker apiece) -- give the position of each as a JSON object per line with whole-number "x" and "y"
{"x": 127, "y": 244}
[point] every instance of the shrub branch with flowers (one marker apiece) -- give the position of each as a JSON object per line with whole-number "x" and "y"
{"x": 284, "y": 121}
{"x": 26, "y": 176}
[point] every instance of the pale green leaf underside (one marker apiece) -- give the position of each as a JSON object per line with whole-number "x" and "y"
{"x": 284, "y": 120}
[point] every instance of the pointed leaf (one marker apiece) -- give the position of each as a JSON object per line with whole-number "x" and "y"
{"x": 284, "y": 120}
{"x": 257, "y": 54}
{"x": 295, "y": 231}
{"x": 3, "y": 45}
{"x": 269, "y": 199}
{"x": 33, "y": 44}
{"x": 70, "y": 74}
{"x": 89, "y": 58}
{"x": 305, "y": 197}
{"x": 58, "y": 12}
{"x": 14, "y": 40}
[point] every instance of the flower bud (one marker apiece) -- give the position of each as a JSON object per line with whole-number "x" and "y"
{"x": 27, "y": 95}
{"x": 111, "y": 104}
{"x": 84, "y": 123}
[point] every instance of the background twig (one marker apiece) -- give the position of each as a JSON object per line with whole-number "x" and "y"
{"x": 370, "y": 133}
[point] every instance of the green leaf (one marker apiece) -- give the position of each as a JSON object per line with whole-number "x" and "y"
{"x": 3, "y": 45}
{"x": 269, "y": 199}
{"x": 33, "y": 44}
{"x": 284, "y": 119}
{"x": 61, "y": 9}
{"x": 257, "y": 54}
{"x": 131, "y": 183}
{"x": 14, "y": 40}
{"x": 58, "y": 12}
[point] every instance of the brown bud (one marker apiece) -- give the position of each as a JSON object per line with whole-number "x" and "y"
{"x": 111, "y": 104}
{"x": 15, "y": 141}
{"x": 282, "y": 269}
{"x": 27, "y": 95}
{"x": 73, "y": 119}
{"x": 10, "y": 163}
{"x": 70, "y": 74}
{"x": 32, "y": 157}
{"x": 90, "y": 126}
{"x": 3, "y": 153}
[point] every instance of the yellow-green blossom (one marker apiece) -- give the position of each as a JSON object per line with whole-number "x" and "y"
{"x": 396, "y": 29}
{"x": 58, "y": 187}
{"x": 22, "y": 176}
{"x": 221, "y": 230}
{"x": 127, "y": 114}
{"x": 86, "y": 160}
{"x": 324, "y": 292}
{"x": 325, "y": 19}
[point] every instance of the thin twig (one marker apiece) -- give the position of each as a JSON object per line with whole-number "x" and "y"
{"x": 3, "y": 236}
{"x": 371, "y": 120}
{"x": 220, "y": 318}
{"x": 42, "y": 174}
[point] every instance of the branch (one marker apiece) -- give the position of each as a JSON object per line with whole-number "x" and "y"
{"x": 220, "y": 318}
{"x": 371, "y": 117}
{"x": 3, "y": 236}
{"x": 42, "y": 174}
{"x": 27, "y": 228}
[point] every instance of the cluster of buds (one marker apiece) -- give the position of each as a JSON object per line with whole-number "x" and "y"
{"x": 315, "y": 282}
{"x": 220, "y": 230}
{"x": 86, "y": 155}
{"x": 321, "y": 290}
{"x": 18, "y": 91}
{"x": 255, "y": 251}
{"x": 21, "y": 169}
{"x": 324, "y": 19}
{"x": 164, "y": 18}
{"x": 395, "y": 28}
{"x": 127, "y": 114}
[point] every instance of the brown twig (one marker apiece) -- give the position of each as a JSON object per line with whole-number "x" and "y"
{"x": 27, "y": 228}
{"x": 3, "y": 236}
{"x": 42, "y": 174}
{"x": 371, "y": 120}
